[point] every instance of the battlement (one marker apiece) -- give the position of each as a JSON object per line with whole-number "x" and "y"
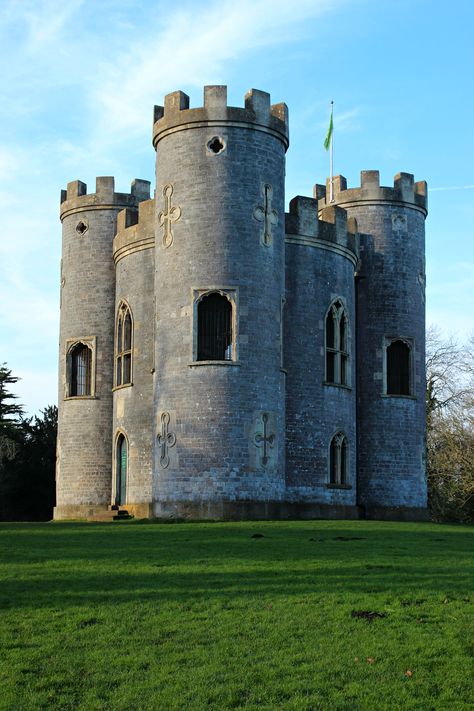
{"x": 135, "y": 229}
{"x": 332, "y": 229}
{"x": 404, "y": 191}
{"x": 76, "y": 198}
{"x": 258, "y": 113}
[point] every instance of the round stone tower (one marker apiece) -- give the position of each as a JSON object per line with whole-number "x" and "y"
{"x": 86, "y": 358}
{"x": 219, "y": 285}
{"x": 321, "y": 256}
{"x": 390, "y": 339}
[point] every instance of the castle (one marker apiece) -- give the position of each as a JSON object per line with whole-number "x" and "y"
{"x": 222, "y": 359}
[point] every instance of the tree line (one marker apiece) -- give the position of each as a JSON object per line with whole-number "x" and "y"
{"x": 28, "y": 445}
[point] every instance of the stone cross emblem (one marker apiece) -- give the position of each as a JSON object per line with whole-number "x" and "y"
{"x": 267, "y": 215}
{"x": 264, "y": 441}
{"x": 167, "y": 216}
{"x": 165, "y": 439}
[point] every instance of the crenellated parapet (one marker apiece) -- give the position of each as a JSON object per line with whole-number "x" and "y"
{"x": 330, "y": 230}
{"x": 135, "y": 230}
{"x": 76, "y": 198}
{"x": 404, "y": 192}
{"x": 258, "y": 114}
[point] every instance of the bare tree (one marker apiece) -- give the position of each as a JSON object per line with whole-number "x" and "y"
{"x": 450, "y": 426}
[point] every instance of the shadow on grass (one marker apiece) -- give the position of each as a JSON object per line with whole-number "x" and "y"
{"x": 60, "y": 565}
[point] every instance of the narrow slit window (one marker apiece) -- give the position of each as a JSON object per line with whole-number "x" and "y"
{"x": 214, "y": 341}
{"x": 398, "y": 368}
{"x": 121, "y": 471}
{"x": 81, "y": 371}
{"x": 123, "y": 346}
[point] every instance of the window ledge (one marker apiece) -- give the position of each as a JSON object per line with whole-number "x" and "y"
{"x": 197, "y": 363}
{"x": 81, "y": 397}
{"x": 337, "y": 385}
{"x": 404, "y": 397}
{"x": 338, "y": 486}
{"x": 121, "y": 387}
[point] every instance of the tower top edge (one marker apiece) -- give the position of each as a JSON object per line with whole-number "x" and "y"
{"x": 404, "y": 190}
{"x": 76, "y": 197}
{"x": 257, "y": 112}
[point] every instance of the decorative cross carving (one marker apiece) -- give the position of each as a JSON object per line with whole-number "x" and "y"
{"x": 266, "y": 215}
{"x": 167, "y": 216}
{"x": 264, "y": 440}
{"x": 165, "y": 439}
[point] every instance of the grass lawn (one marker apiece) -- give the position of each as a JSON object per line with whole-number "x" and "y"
{"x": 255, "y": 615}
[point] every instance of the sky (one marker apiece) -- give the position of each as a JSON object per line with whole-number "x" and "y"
{"x": 79, "y": 81}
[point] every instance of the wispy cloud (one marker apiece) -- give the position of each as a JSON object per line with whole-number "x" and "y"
{"x": 452, "y": 187}
{"x": 160, "y": 61}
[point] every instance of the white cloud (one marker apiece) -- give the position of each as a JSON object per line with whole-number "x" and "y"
{"x": 189, "y": 48}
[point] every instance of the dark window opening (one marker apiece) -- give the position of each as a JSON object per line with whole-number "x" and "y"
{"x": 337, "y": 355}
{"x": 123, "y": 347}
{"x": 214, "y": 328}
{"x": 215, "y": 145}
{"x": 338, "y": 459}
{"x": 398, "y": 368}
{"x": 81, "y": 370}
{"x": 81, "y": 227}
{"x": 121, "y": 467}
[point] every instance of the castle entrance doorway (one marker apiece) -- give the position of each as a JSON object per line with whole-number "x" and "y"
{"x": 121, "y": 471}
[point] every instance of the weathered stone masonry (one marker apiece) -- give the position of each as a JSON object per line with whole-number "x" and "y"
{"x": 311, "y": 403}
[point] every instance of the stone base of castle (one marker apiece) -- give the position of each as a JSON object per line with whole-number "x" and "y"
{"x": 240, "y": 511}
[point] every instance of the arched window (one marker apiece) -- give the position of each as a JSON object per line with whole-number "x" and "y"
{"x": 338, "y": 459}
{"x": 121, "y": 468}
{"x": 214, "y": 337}
{"x": 337, "y": 347}
{"x": 123, "y": 346}
{"x": 398, "y": 368}
{"x": 80, "y": 383}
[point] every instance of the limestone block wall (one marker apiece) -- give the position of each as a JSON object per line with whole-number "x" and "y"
{"x": 220, "y": 227}
{"x": 134, "y": 251}
{"x": 390, "y": 304}
{"x": 320, "y": 261}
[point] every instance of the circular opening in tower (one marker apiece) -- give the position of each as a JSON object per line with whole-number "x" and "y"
{"x": 81, "y": 227}
{"x": 216, "y": 145}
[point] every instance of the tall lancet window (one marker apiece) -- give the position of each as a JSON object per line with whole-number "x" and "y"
{"x": 123, "y": 346}
{"x": 338, "y": 459}
{"x": 337, "y": 345}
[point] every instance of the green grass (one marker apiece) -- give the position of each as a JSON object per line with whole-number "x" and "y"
{"x": 153, "y": 616}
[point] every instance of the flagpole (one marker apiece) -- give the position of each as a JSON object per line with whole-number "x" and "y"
{"x": 331, "y": 177}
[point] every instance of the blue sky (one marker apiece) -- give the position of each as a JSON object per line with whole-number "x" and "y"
{"x": 80, "y": 80}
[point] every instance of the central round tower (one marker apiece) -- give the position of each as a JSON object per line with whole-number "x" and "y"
{"x": 219, "y": 287}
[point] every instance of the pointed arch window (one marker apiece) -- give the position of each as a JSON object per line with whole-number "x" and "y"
{"x": 80, "y": 370}
{"x": 121, "y": 470}
{"x": 337, "y": 345}
{"x": 214, "y": 328}
{"x": 123, "y": 346}
{"x": 338, "y": 459}
{"x": 398, "y": 367}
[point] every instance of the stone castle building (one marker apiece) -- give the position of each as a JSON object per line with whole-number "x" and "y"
{"x": 222, "y": 359}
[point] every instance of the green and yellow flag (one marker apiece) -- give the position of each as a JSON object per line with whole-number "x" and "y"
{"x": 327, "y": 140}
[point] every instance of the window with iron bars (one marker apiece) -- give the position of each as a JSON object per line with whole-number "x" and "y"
{"x": 214, "y": 328}
{"x": 80, "y": 384}
{"x": 398, "y": 356}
